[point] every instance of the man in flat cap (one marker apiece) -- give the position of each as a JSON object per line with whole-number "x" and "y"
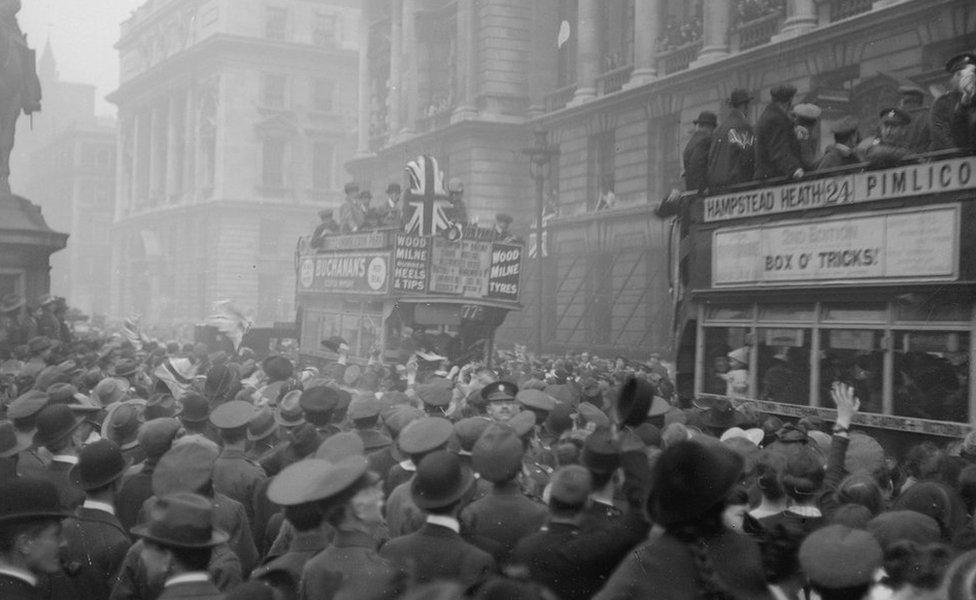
{"x": 952, "y": 120}
{"x": 235, "y": 475}
{"x": 806, "y": 127}
{"x": 503, "y": 225}
{"x": 498, "y": 521}
{"x": 695, "y": 155}
{"x": 732, "y": 156}
{"x": 777, "y": 148}
{"x": 841, "y": 152}
{"x": 178, "y": 542}
{"x": 891, "y": 146}
{"x": 436, "y": 550}
{"x": 350, "y": 500}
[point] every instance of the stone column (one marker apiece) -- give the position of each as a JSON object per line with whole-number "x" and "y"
{"x": 189, "y": 142}
{"x": 587, "y": 50}
{"x": 409, "y": 84}
{"x": 139, "y": 192}
{"x": 801, "y": 17}
{"x": 396, "y": 41}
{"x": 716, "y": 18}
{"x": 466, "y": 67}
{"x": 541, "y": 69}
{"x": 647, "y": 30}
{"x": 173, "y": 166}
{"x": 123, "y": 164}
{"x": 365, "y": 81}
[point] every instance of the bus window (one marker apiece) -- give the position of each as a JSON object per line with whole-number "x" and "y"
{"x": 854, "y": 356}
{"x": 931, "y": 379}
{"x": 719, "y": 375}
{"x": 784, "y": 365}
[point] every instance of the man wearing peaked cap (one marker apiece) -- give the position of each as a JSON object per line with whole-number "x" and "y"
{"x": 418, "y": 439}
{"x": 340, "y": 446}
{"x": 891, "y": 147}
{"x": 235, "y": 475}
{"x": 364, "y": 412}
{"x": 498, "y": 521}
{"x": 349, "y": 500}
{"x": 298, "y": 488}
{"x": 96, "y": 540}
{"x": 30, "y": 515}
{"x": 436, "y": 398}
{"x": 57, "y": 430}
{"x": 436, "y": 550}
{"x": 155, "y": 437}
{"x": 499, "y": 397}
{"x": 178, "y": 543}
{"x": 592, "y": 417}
{"x": 731, "y": 157}
{"x": 395, "y": 418}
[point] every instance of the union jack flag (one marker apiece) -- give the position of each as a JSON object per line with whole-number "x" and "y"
{"x": 427, "y": 196}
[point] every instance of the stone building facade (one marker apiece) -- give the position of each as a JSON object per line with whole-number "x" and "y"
{"x": 615, "y": 85}
{"x": 235, "y": 117}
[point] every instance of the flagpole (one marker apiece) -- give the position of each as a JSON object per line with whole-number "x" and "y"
{"x": 539, "y": 156}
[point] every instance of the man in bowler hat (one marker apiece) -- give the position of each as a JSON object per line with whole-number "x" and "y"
{"x": 96, "y": 540}
{"x": 437, "y": 550}
{"x": 731, "y": 157}
{"x": 58, "y": 431}
{"x": 695, "y": 156}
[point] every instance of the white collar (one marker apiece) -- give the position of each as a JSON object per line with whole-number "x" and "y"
{"x": 449, "y": 522}
{"x": 805, "y": 511}
{"x": 407, "y": 465}
{"x": 96, "y": 505}
{"x": 191, "y": 577}
{"x": 20, "y": 574}
{"x": 65, "y": 458}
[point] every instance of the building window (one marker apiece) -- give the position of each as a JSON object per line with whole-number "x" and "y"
{"x": 324, "y": 33}
{"x": 322, "y": 92}
{"x": 322, "y": 153}
{"x": 276, "y": 23}
{"x": 601, "y": 170}
{"x": 273, "y": 92}
{"x": 273, "y": 163}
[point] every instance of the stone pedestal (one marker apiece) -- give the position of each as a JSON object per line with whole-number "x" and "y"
{"x": 26, "y": 245}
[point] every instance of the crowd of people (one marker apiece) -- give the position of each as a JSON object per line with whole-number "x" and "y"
{"x": 746, "y": 11}
{"x": 785, "y": 141}
{"x": 677, "y": 34}
{"x": 137, "y": 470}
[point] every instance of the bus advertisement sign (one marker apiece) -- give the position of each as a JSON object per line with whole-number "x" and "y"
{"x": 360, "y": 273}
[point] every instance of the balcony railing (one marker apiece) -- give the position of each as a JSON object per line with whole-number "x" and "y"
{"x": 560, "y": 98}
{"x": 678, "y": 59}
{"x": 613, "y": 81}
{"x": 435, "y": 120}
{"x": 841, "y": 9}
{"x": 757, "y": 31}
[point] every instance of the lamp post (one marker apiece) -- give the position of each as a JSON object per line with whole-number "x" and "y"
{"x": 540, "y": 155}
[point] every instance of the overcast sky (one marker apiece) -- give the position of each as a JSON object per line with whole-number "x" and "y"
{"x": 83, "y": 34}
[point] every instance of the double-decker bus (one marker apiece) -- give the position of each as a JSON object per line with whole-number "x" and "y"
{"x": 389, "y": 293}
{"x": 859, "y": 275}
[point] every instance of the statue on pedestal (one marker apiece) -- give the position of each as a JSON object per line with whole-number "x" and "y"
{"x": 20, "y": 89}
